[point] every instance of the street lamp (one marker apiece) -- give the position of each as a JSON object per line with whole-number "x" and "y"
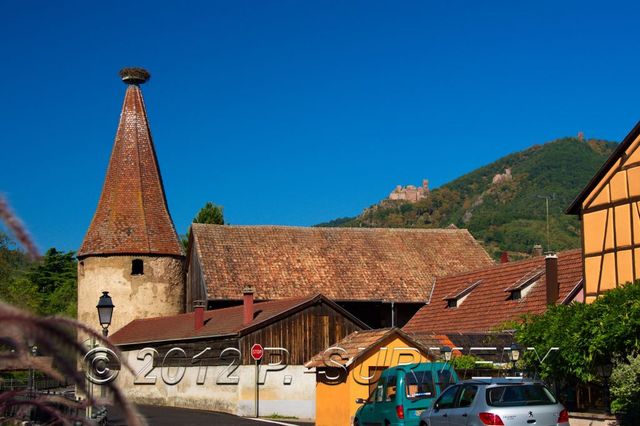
{"x": 33, "y": 348}
{"x": 105, "y": 311}
{"x": 514, "y": 355}
{"x": 446, "y": 353}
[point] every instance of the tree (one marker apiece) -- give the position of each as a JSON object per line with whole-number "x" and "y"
{"x": 15, "y": 287}
{"x": 588, "y": 335}
{"x": 625, "y": 387}
{"x": 55, "y": 278}
{"x": 12, "y": 260}
{"x": 211, "y": 213}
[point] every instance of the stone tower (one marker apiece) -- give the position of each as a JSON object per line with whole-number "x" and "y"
{"x": 131, "y": 248}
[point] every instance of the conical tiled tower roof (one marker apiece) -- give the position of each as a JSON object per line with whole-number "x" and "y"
{"x": 132, "y": 215}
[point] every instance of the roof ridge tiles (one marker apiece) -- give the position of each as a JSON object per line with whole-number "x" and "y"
{"x": 509, "y": 264}
{"x": 331, "y": 228}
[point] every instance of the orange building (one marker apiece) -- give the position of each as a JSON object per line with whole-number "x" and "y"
{"x": 358, "y": 360}
{"x": 609, "y": 209}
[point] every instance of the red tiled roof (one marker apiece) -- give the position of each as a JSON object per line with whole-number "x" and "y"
{"x": 462, "y": 290}
{"x": 342, "y": 263}
{"x": 488, "y": 305}
{"x": 132, "y": 215}
{"x": 358, "y": 343}
{"x": 218, "y": 322}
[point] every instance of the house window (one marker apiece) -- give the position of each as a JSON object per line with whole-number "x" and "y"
{"x": 452, "y": 303}
{"x": 516, "y": 295}
{"x": 137, "y": 267}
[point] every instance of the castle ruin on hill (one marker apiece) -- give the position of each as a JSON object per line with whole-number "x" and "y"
{"x": 410, "y": 193}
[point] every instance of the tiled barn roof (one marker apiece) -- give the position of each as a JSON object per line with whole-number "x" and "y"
{"x": 341, "y": 263}
{"x": 218, "y": 322}
{"x": 132, "y": 215}
{"x": 488, "y": 304}
{"x": 359, "y": 343}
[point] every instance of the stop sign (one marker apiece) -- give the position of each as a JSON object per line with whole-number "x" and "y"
{"x": 257, "y": 351}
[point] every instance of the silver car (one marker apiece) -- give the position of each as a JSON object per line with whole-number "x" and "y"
{"x": 496, "y": 402}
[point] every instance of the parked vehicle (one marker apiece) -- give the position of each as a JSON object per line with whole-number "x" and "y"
{"x": 403, "y": 393}
{"x": 496, "y": 402}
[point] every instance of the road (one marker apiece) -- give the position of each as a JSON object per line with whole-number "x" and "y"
{"x": 171, "y": 416}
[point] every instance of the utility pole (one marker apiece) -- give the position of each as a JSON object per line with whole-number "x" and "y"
{"x": 547, "y": 198}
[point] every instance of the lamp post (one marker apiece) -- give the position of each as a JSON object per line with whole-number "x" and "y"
{"x": 32, "y": 374}
{"x": 34, "y": 351}
{"x": 105, "y": 311}
{"x": 514, "y": 355}
{"x": 446, "y": 353}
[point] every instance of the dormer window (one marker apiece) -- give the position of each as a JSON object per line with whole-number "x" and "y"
{"x": 524, "y": 285}
{"x": 137, "y": 267}
{"x": 456, "y": 299}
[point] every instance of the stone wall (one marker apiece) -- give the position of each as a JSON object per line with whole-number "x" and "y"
{"x": 159, "y": 291}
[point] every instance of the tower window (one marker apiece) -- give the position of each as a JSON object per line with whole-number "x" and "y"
{"x": 137, "y": 267}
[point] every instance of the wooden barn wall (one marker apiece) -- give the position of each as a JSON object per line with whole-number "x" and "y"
{"x": 196, "y": 289}
{"x": 169, "y": 354}
{"x": 303, "y": 334}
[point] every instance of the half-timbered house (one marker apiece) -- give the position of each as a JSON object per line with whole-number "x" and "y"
{"x": 609, "y": 209}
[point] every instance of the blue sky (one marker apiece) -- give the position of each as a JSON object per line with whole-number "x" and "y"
{"x": 291, "y": 112}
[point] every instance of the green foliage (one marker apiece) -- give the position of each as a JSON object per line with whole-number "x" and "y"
{"x": 55, "y": 276}
{"x": 211, "y": 213}
{"x": 12, "y": 261}
{"x": 341, "y": 221}
{"x": 588, "y": 335}
{"x": 625, "y": 386}
{"x": 464, "y": 362}
{"x": 510, "y": 215}
{"x": 46, "y": 286}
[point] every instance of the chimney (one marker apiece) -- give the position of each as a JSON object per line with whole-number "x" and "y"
{"x": 504, "y": 257}
{"x": 198, "y": 314}
{"x": 247, "y": 303}
{"x": 551, "y": 277}
{"x": 537, "y": 250}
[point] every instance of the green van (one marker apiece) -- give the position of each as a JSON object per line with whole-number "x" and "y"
{"x": 402, "y": 393}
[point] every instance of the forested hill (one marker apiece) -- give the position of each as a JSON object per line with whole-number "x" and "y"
{"x": 508, "y": 214}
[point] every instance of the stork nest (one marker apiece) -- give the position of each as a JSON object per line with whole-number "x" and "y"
{"x": 134, "y": 75}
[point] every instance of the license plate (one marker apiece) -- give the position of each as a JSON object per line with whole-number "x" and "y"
{"x": 418, "y": 412}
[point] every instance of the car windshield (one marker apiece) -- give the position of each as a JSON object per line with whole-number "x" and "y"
{"x": 419, "y": 384}
{"x": 519, "y": 395}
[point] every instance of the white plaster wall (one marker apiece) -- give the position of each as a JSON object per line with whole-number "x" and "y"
{"x": 296, "y": 399}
